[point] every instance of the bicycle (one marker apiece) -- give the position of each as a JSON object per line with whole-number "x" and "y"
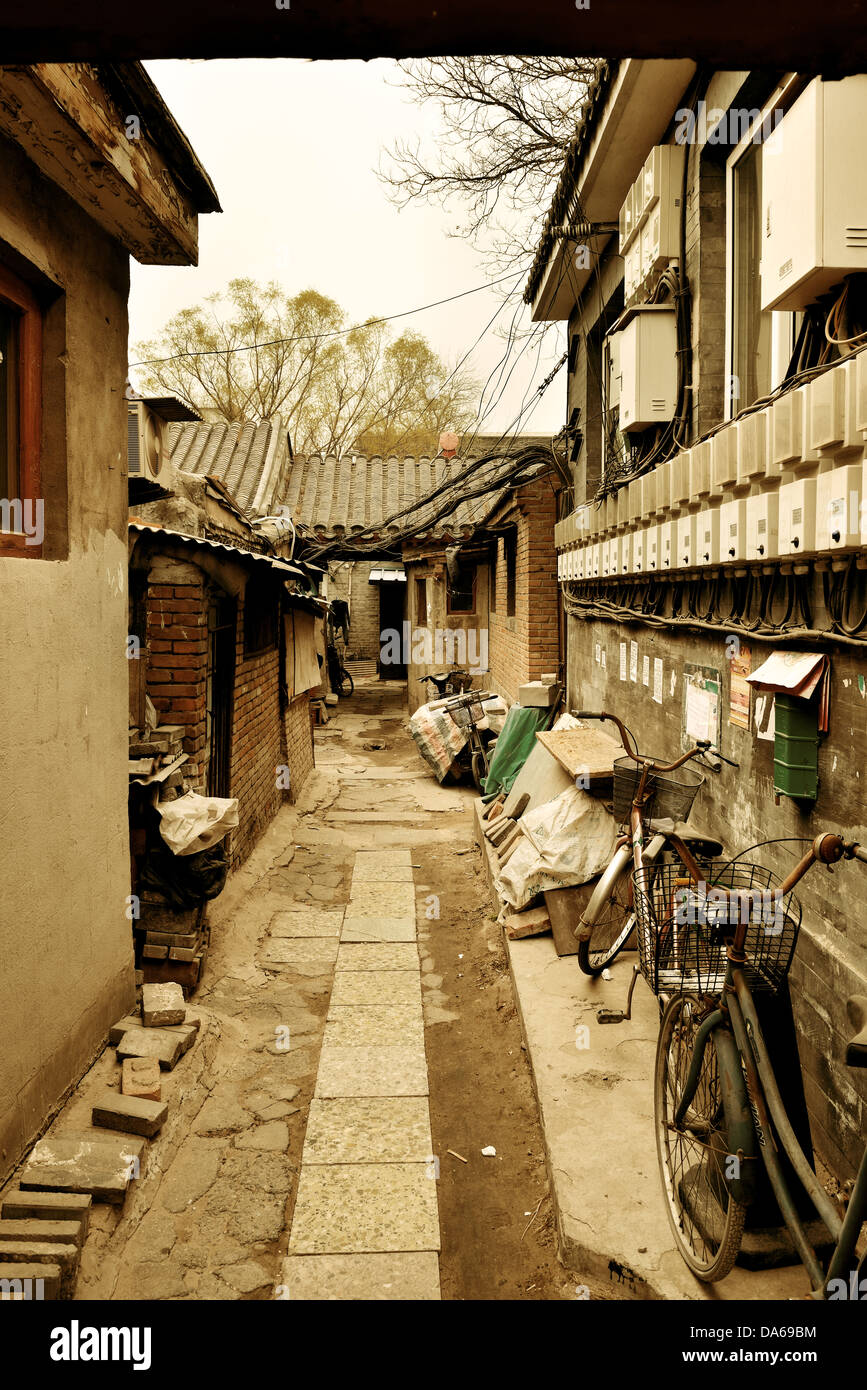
{"x": 453, "y": 682}
{"x": 641, "y": 786}
{"x": 466, "y": 710}
{"x": 717, "y": 1105}
{"x": 339, "y": 679}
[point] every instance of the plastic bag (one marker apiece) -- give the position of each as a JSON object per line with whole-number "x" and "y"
{"x": 568, "y": 840}
{"x": 193, "y": 822}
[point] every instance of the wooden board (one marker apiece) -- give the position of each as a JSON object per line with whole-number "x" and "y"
{"x": 587, "y": 751}
{"x": 565, "y": 906}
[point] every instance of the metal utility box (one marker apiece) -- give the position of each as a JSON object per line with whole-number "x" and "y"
{"x": 648, "y": 367}
{"x": 667, "y": 544}
{"x": 699, "y": 470}
{"x": 685, "y": 556}
{"x": 796, "y": 746}
{"x": 797, "y": 518}
{"x": 762, "y": 519}
{"x": 651, "y": 549}
{"x": 751, "y": 447}
{"x": 723, "y": 461}
{"x": 638, "y": 550}
{"x": 733, "y": 530}
{"x": 814, "y": 194}
{"x": 707, "y": 535}
{"x": 838, "y": 507}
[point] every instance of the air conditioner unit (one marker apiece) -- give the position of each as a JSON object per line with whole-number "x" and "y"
{"x": 797, "y": 517}
{"x": 707, "y": 537}
{"x": 733, "y": 531}
{"x": 814, "y": 194}
{"x": 145, "y": 441}
{"x": 762, "y": 520}
{"x": 838, "y": 507}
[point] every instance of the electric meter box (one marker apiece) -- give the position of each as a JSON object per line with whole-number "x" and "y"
{"x": 723, "y": 461}
{"x": 685, "y": 556}
{"x": 752, "y": 447}
{"x": 648, "y": 367}
{"x": 651, "y": 550}
{"x": 797, "y": 517}
{"x": 667, "y": 544}
{"x": 579, "y": 562}
{"x": 560, "y": 559}
{"x": 762, "y": 526}
{"x": 626, "y": 553}
{"x": 648, "y": 494}
{"x": 707, "y": 534}
{"x": 838, "y": 507}
{"x": 681, "y": 472}
{"x": 638, "y": 538}
{"x": 663, "y": 489}
{"x": 814, "y": 194}
{"x": 733, "y": 530}
{"x": 591, "y": 564}
{"x": 627, "y": 222}
{"x": 699, "y": 470}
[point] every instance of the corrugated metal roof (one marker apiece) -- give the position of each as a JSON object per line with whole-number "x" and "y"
{"x": 332, "y": 499}
{"x": 251, "y": 460}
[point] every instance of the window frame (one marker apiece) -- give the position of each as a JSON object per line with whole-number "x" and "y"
{"x": 462, "y": 612}
{"x": 510, "y": 555}
{"x": 20, "y": 297}
{"x": 783, "y": 323}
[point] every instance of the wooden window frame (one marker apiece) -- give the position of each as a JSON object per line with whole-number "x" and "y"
{"x": 19, "y": 296}
{"x": 462, "y": 612}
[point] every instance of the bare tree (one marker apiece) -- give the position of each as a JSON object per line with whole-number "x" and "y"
{"x": 254, "y": 352}
{"x": 506, "y": 123}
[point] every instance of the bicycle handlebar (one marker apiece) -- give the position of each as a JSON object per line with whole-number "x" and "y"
{"x": 631, "y": 750}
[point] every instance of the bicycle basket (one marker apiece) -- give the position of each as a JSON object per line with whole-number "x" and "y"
{"x": 470, "y": 712}
{"x": 670, "y": 794}
{"x": 683, "y": 926}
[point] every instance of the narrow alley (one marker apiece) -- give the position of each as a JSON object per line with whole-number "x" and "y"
{"x": 304, "y": 1162}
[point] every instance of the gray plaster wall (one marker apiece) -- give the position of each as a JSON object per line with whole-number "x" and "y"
{"x": 65, "y": 938}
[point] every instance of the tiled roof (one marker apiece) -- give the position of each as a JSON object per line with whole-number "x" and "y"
{"x": 336, "y": 499}
{"x": 252, "y": 461}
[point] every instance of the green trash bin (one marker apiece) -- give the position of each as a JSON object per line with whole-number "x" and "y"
{"x": 796, "y": 747}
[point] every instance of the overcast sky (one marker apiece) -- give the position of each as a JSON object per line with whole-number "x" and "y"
{"x": 292, "y": 148}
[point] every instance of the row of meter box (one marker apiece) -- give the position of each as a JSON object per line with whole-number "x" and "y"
{"x": 802, "y": 517}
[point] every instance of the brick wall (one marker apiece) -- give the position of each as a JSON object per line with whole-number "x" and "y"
{"x": 349, "y": 580}
{"x": 523, "y": 647}
{"x": 264, "y": 738}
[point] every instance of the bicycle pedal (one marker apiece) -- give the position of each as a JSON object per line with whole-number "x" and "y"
{"x": 611, "y": 1016}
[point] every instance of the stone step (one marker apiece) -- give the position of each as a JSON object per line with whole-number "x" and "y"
{"x": 28, "y": 1228}
{"x": 185, "y": 1033}
{"x": 151, "y": 1042}
{"x": 22, "y": 1281}
{"x": 51, "y": 1252}
{"x": 48, "y": 1206}
{"x": 86, "y": 1161}
{"x": 130, "y": 1114}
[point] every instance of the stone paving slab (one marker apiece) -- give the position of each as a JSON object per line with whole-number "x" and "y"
{"x": 413, "y": 1276}
{"x": 396, "y": 873}
{"x": 303, "y": 957}
{"x": 378, "y": 928}
{"x": 371, "y": 1071}
{"x": 381, "y": 900}
{"x": 307, "y": 922}
{"x": 379, "y": 955}
{"x": 371, "y": 987}
{"x": 367, "y": 1129}
{"x": 361, "y": 1207}
{"x": 366, "y": 859}
{"x": 374, "y": 1025}
{"x": 101, "y": 1164}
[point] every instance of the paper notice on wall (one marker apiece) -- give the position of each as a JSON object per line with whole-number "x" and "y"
{"x": 702, "y": 709}
{"x": 657, "y": 679}
{"x": 739, "y": 690}
{"x": 623, "y": 661}
{"x": 765, "y": 717}
{"x": 633, "y": 661}
{"x": 598, "y": 653}
{"x": 603, "y": 660}
{"x": 645, "y": 670}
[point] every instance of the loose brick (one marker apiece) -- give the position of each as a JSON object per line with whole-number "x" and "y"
{"x": 129, "y": 1114}
{"x": 162, "y": 1005}
{"x": 20, "y": 1281}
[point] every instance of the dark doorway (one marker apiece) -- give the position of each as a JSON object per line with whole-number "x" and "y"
{"x": 220, "y": 693}
{"x": 392, "y": 605}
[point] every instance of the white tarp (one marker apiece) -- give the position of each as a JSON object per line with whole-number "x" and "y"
{"x": 193, "y": 823}
{"x": 566, "y": 841}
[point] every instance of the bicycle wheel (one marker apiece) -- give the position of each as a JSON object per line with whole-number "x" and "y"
{"x": 345, "y": 680}
{"x": 706, "y": 1220}
{"x": 612, "y": 925}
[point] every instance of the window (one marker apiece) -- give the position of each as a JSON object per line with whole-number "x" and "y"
{"x": 461, "y": 588}
{"x": 21, "y": 506}
{"x": 511, "y": 549}
{"x": 421, "y": 602}
{"x": 260, "y": 615}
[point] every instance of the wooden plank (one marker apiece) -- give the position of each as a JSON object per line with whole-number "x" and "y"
{"x": 565, "y": 906}
{"x": 583, "y": 751}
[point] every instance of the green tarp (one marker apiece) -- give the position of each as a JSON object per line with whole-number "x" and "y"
{"x": 514, "y": 746}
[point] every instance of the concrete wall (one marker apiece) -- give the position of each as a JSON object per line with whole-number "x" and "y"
{"x": 524, "y": 646}
{"x": 738, "y": 807}
{"x": 65, "y": 941}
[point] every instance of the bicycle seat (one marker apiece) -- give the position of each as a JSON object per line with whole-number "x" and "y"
{"x": 856, "y": 1048}
{"x": 440, "y": 680}
{"x": 690, "y": 834}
